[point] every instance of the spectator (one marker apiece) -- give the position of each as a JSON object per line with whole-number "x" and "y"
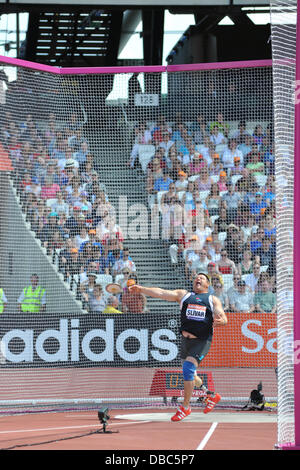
{"x": 219, "y": 293}
{"x": 256, "y": 239}
{"x": 222, "y": 223}
{"x": 265, "y": 301}
{"x": 258, "y": 135}
{"x": 50, "y": 189}
{"x": 216, "y": 166}
{"x": 256, "y": 167}
{"x": 59, "y": 205}
{"x": 142, "y": 137}
{"x": 252, "y": 279}
{"x": 198, "y": 129}
{"x": 133, "y": 302}
{"x": 265, "y": 254}
{"x": 167, "y": 144}
{"x": 270, "y": 227}
{"x": 257, "y": 205}
{"x": 112, "y": 305}
{"x": 226, "y": 265}
{"x": 123, "y": 261}
{"x": 123, "y": 277}
{"x": 240, "y": 134}
{"x": 233, "y": 290}
{"x": 220, "y": 124}
{"x": 196, "y": 261}
{"x": 243, "y": 301}
{"x": 187, "y": 200}
{"x": 246, "y": 146}
{"x": 197, "y": 164}
{"x": 233, "y": 200}
{"x": 213, "y": 200}
{"x": 95, "y": 299}
{"x": 72, "y": 265}
{"x": 230, "y": 153}
{"x": 162, "y": 183}
{"x": 237, "y": 168}
{"x": 50, "y": 228}
{"x": 246, "y": 264}
{"x": 171, "y": 212}
{"x": 182, "y": 182}
{"x": 204, "y": 182}
{"x": 222, "y": 183}
{"x": 216, "y": 136}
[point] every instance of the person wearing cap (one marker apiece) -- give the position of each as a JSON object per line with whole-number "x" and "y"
{"x": 33, "y": 297}
{"x": 237, "y": 168}
{"x": 200, "y": 313}
{"x": 222, "y": 182}
{"x": 243, "y": 300}
{"x": 216, "y": 166}
{"x": 73, "y": 265}
{"x": 182, "y": 181}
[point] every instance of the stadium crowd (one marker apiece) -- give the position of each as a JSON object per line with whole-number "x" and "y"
{"x": 214, "y": 186}
{"x": 68, "y": 208}
{"x": 215, "y": 189}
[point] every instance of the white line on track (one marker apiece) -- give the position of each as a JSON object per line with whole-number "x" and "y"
{"x": 64, "y": 428}
{"x": 207, "y": 436}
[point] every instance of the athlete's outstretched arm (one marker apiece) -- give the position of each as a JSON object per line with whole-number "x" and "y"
{"x": 219, "y": 315}
{"x": 170, "y": 295}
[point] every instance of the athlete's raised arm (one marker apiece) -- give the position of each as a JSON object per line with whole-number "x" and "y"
{"x": 169, "y": 295}
{"x": 219, "y": 315}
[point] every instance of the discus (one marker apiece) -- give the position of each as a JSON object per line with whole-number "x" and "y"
{"x": 113, "y": 288}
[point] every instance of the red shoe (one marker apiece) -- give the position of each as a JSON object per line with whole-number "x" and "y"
{"x": 211, "y": 403}
{"x": 181, "y": 413}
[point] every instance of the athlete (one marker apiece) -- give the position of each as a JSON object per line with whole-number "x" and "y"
{"x": 200, "y": 311}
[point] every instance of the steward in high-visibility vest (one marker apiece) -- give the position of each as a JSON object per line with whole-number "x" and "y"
{"x": 32, "y": 300}
{"x": 3, "y": 300}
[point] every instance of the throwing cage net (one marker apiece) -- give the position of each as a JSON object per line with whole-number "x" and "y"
{"x": 285, "y": 51}
{"x": 150, "y": 174}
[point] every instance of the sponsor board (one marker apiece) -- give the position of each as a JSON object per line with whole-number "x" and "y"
{"x": 248, "y": 340}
